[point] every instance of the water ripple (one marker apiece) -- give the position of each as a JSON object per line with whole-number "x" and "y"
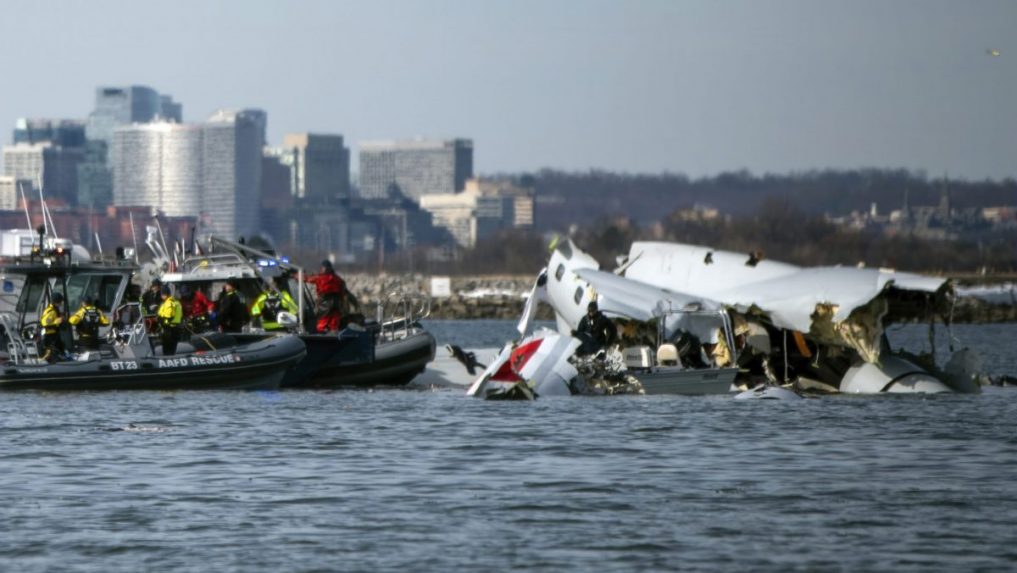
{"x": 428, "y": 480}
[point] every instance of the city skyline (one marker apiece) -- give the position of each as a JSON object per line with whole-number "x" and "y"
{"x": 684, "y": 87}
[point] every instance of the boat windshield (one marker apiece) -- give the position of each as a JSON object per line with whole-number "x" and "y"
{"x": 31, "y": 293}
{"x": 104, "y": 287}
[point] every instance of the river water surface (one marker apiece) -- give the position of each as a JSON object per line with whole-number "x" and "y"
{"x": 424, "y": 479}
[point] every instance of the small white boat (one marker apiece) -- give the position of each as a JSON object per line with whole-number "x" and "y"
{"x": 685, "y": 381}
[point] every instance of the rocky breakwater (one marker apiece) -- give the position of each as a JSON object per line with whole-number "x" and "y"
{"x": 981, "y": 303}
{"x": 471, "y": 297}
{"x": 503, "y": 296}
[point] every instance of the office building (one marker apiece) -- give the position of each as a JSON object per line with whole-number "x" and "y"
{"x": 276, "y": 192}
{"x": 55, "y": 166}
{"x": 59, "y": 132}
{"x": 414, "y": 168}
{"x": 211, "y": 170}
{"x": 170, "y": 110}
{"x": 95, "y": 177}
{"x": 468, "y": 216}
{"x": 233, "y": 142}
{"x": 321, "y": 167}
{"x": 9, "y": 196}
{"x": 118, "y": 106}
{"x": 518, "y": 211}
{"x": 158, "y": 165}
{"x": 277, "y": 179}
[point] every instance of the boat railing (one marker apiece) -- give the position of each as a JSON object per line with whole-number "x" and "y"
{"x": 130, "y": 339}
{"x": 399, "y": 312}
{"x": 18, "y": 350}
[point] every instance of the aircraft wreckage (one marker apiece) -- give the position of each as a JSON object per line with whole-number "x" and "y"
{"x": 695, "y": 320}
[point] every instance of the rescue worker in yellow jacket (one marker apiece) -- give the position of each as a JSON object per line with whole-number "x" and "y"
{"x": 88, "y": 319}
{"x": 51, "y": 320}
{"x": 269, "y": 304}
{"x": 171, "y": 315}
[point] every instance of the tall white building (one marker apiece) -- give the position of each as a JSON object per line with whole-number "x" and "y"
{"x": 210, "y": 170}
{"x": 159, "y": 165}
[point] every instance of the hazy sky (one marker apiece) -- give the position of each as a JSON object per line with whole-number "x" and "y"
{"x": 696, "y": 87}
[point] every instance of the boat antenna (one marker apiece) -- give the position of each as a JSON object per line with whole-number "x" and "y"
{"x": 91, "y": 225}
{"x": 162, "y": 238}
{"x": 98, "y": 243}
{"x": 48, "y": 215}
{"x": 42, "y": 203}
{"x": 134, "y": 237}
{"x": 24, "y": 202}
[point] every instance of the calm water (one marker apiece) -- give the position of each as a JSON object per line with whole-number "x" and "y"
{"x": 427, "y": 480}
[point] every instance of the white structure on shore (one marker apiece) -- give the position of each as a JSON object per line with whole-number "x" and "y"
{"x": 480, "y": 210}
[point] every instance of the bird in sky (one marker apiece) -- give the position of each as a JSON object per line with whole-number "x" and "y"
{"x": 992, "y": 52}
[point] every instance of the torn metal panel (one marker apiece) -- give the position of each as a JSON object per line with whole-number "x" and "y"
{"x": 835, "y": 304}
{"x": 539, "y": 361}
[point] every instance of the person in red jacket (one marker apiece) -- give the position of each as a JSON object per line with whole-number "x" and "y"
{"x": 331, "y": 291}
{"x": 197, "y": 308}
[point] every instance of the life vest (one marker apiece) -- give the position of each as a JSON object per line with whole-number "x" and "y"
{"x": 272, "y": 306}
{"x": 50, "y": 320}
{"x": 89, "y": 324}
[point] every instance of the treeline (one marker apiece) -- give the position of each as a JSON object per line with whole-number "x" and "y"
{"x": 782, "y": 231}
{"x": 566, "y": 198}
{"x": 780, "y": 215}
{"x": 779, "y": 229}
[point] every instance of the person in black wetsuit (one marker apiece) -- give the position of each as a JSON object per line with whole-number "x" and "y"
{"x": 231, "y": 310}
{"x": 595, "y": 330}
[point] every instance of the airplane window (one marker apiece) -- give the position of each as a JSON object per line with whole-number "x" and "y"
{"x": 559, "y": 271}
{"x": 579, "y": 295}
{"x": 565, "y": 248}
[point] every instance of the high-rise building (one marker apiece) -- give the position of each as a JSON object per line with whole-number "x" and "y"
{"x": 55, "y": 166}
{"x": 321, "y": 166}
{"x": 277, "y": 179}
{"x": 54, "y": 146}
{"x": 159, "y": 165}
{"x": 171, "y": 110}
{"x": 414, "y": 168}
{"x": 276, "y": 192}
{"x": 8, "y": 193}
{"x": 117, "y": 106}
{"x": 233, "y": 142}
{"x": 62, "y": 132}
{"x": 95, "y": 177}
{"x": 211, "y": 170}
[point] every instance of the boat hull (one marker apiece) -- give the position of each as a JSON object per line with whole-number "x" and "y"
{"x": 255, "y": 366}
{"x": 333, "y": 361}
{"x": 686, "y": 382}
